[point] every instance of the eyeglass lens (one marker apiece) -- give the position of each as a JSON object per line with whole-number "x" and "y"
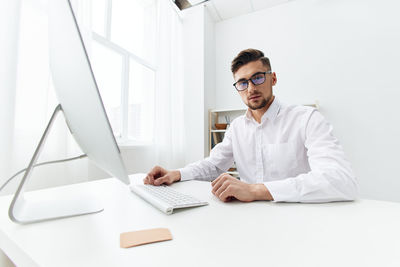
{"x": 256, "y": 80}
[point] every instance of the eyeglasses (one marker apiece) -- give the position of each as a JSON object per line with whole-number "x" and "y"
{"x": 256, "y": 79}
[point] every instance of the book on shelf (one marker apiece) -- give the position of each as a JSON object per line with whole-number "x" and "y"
{"x": 216, "y": 138}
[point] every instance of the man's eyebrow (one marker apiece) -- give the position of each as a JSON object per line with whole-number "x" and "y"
{"x": 260, "y": 72}
{"x": 243, "y": 79}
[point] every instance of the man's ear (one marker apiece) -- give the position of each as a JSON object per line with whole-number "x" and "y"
{"x": 274, "y": 79}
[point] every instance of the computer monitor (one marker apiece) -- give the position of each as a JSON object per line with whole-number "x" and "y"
{"x": 85, "y": 115}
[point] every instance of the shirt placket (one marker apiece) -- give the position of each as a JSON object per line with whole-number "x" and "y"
{"x": 259, "y": 157}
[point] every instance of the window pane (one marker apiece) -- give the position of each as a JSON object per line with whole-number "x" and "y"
{"x": 141, "y": 102}
{"x": 107, "y": 67}
{"x": 98, "y": 16}
{"x": 134, "y": 26}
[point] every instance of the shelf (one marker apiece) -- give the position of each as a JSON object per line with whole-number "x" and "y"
{"x": 220, "y": 116}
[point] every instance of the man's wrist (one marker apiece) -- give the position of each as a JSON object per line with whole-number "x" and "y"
{"x": 176, "y": 175}
{"x": 261, "y": 192}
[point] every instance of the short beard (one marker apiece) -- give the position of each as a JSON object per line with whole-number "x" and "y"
{"x": 259, "y": 106}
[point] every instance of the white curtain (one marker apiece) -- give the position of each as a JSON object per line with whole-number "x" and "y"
{"x": 27, "y": 100}
{"x": 9, "y": 24}
{"x": 169, "y": 123}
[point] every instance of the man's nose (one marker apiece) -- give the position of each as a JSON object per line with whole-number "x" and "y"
{"x": 251, "y": 87}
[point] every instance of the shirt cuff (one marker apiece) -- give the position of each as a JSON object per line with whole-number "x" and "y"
{"x": 186, "y": 174}
{"x": 283, "y": 190}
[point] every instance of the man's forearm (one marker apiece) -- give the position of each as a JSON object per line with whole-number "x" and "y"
{"x": 200, "y": 170}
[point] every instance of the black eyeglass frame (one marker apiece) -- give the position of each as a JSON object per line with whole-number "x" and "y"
{"x": 251, "y": 80}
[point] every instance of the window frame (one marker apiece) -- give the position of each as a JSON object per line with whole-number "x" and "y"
{"x": 123, "y": 139}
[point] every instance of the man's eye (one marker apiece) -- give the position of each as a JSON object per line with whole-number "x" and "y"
{"x": 258, "y": 77}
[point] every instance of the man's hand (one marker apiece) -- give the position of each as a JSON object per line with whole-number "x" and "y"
{"x": 159, "y": 175}
{"x": 226, "y": 187}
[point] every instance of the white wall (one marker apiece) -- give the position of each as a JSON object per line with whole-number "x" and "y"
{"x": 209, "y": 70}
{"x": 344, "y": 54}
{"x": 193, "y": 45}
{"x": 199, "y": 79}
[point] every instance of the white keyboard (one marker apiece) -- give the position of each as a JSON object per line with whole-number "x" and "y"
{"x": 165, "y": 198}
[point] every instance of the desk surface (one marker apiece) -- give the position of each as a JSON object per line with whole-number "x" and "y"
{"x": 360, "y": 233}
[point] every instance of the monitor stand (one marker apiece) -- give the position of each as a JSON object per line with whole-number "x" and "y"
{"x": 24, "y": 210}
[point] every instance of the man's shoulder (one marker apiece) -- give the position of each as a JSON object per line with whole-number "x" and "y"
{"x": 296, "y": 111}
{"x": 238, "y": 120}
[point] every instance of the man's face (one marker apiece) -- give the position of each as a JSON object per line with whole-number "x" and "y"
{"x": 256, "y": 96}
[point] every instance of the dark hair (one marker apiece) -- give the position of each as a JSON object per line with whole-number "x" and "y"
{"x": 249, "y": 55}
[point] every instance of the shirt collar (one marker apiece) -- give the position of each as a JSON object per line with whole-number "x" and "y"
{"x": 270, "y": 114}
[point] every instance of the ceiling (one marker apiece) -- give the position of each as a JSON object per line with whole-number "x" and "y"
{"x": 226, "y": 9}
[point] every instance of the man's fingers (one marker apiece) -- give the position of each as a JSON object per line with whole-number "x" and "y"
{"x": 157, "y": 171}
{"x": 216, "y": 186}
{"x": 216, "y": 180}
{"x": 158, "y": 181}
{"x": 226, "y": 195}
{"x": 222, "y": 188}
{"x": 165, "y": 179}
{"x": 221, "y": 179}
{"x": 149, "y": 179}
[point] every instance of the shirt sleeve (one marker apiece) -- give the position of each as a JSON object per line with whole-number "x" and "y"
{"x": 331, "y": 177}
{"x": 219, "y": 161}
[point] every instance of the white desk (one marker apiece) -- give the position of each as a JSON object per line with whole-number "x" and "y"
{"x": 361, "y": 233}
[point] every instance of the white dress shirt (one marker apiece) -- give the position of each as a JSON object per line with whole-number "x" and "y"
{"x": 292, "y": 152}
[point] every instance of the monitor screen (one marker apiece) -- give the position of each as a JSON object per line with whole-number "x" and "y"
{"x": 77, "y": 91}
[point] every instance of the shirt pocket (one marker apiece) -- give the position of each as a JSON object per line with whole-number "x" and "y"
{"x": 281, "y": 160}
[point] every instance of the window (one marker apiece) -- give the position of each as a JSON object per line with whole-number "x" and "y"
{"x": 123, "y": 56}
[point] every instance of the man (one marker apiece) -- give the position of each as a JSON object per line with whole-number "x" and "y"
{"x": 282, "y": 153}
